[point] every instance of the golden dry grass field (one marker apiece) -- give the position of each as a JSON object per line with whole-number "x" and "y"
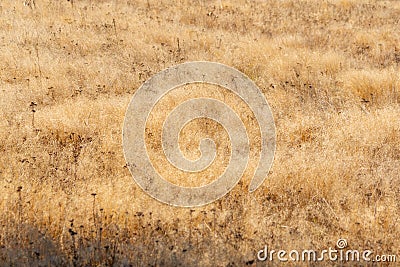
{"x": 330, "y": 70}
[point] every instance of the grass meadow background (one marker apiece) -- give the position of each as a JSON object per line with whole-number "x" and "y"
{"x": 329, "y": 69}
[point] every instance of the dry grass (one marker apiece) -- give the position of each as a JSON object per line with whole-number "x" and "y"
{"x": 329, "y": 69}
